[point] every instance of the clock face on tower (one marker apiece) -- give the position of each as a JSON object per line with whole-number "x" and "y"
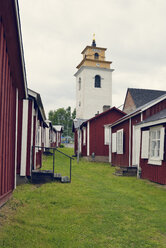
{"x": 96, "y": 50}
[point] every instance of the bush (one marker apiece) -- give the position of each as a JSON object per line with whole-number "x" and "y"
{"x": 61, "y": 146}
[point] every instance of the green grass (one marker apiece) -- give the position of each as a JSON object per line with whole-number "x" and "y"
{"x": 96, "y": 210}
{"x": 62, "y": 163}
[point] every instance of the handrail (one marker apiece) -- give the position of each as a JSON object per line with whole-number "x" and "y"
{"x": 54, "y": 148}
{"x": 64, "y": 154}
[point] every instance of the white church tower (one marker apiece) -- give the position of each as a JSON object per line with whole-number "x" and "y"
{"x": 93, "y": 82}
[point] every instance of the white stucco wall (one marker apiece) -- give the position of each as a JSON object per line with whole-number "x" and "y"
{"x": 92, "y": 99}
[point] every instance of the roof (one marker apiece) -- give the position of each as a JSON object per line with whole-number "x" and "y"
{"x": 58, "y": 128}
{"x": 140, "y": 109}
{"x": 9, "y": 13}
{"x": 103, "y": 113}
{"x": 100, "y": 48}
{"x": 49, "y": 123}
{"x": 90, "y": 68}
{"x": 77, "y": 123}
{"x": 39, "y": 103}
{"x": 143, "y": 96}
{"x": 159, "y": 116}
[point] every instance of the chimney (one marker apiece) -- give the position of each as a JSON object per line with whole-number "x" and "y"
{"x": 97, "y": 113}
{"x": 106, "y": 107}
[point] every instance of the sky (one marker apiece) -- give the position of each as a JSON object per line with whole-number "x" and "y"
{"x": 55, "y": 32}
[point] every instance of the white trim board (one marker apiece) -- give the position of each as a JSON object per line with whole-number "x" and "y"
{"x": 24, "y": 138}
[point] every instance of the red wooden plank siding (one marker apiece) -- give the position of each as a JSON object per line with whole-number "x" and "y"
{"x": 84, "y": 146}
{"x": 6, "y": 127}
{"x": 3, "y": 116}
{"x": 1, "y": 87}
{"x": 75, "y": 141}
{"x": 7, "y": 122}
{"x": 122, "y": 159}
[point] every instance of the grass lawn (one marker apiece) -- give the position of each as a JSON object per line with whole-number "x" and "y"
{"x": 97, "y": 209}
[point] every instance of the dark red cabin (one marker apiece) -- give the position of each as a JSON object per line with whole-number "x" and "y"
{"x": 13, "y": 87}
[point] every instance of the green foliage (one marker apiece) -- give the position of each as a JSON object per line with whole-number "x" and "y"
{"x": 63, "y": 117}
{"x": 98, "y": 209}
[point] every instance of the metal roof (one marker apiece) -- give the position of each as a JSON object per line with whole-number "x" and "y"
{"x": 140, "y": 109}
{"x": 159, "y": 116}
{"x": 78, "y": 122}
{"x": 58, "y": 128}
{"x": 143, "y": 96}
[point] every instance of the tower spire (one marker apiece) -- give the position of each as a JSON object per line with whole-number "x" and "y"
{"x": 93, "y": 41}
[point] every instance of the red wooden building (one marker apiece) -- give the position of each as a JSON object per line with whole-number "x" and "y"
{"x": 53, "y": 134}
{"x": 31, "y": 133}
{"x": 125, "y": 142}
{"x": 13, "y": 87}
{"x": 94, "y": 135}
{"x": 58, "y": 130}
{"x": 152, "y": 162}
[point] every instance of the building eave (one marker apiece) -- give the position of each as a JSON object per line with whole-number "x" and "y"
{"x": 140, "y": 110}
{"x": 92, "y": 60}
{"x": 21, "y": 47}
{"x": 101, "y": 48}
{"x": 90, "y": 68}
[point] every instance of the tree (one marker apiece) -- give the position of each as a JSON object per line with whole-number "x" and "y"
{"x": 63, "y": 117}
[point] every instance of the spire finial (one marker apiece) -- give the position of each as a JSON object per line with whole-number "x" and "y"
{"x": 93, "y": 41}
{"x": 94, "y": 36}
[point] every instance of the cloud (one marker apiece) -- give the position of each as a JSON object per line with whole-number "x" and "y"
{"x": 55, "y": 32}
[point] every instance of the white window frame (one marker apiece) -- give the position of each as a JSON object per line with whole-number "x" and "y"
{"x": 106, "y": 135}
{"x": 119, "y": 141}
{"x": 156, "y": 160}
{"x": 84, "y": 135}
{"x": 113, "y": 142}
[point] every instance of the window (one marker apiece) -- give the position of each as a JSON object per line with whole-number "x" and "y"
{"x": 84, "y": 136}
{"x": 96, "y": 55}
{"x": 106, "y": 135}
{"x": 79, "y": 84}
{"x": 79, "y": 104}
{"x": 119, "y": 141}
{"x": 153, "y": 145}
{"x": 97, "y": 81}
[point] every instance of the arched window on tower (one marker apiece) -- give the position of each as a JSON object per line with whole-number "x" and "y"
{"x": 96, "y": 56}
{"x": 79, "y": 84}
{"x": 97, "y": 81}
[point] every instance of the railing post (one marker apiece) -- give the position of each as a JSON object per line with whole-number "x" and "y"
{"x": 70, "y": 169}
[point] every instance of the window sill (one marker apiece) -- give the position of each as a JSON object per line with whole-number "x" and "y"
{"x": 154, "y": 162}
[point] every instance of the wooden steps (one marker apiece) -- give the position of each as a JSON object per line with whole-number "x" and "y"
{"x": 44, "y": 176}
{"x": 126, "y": 171}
